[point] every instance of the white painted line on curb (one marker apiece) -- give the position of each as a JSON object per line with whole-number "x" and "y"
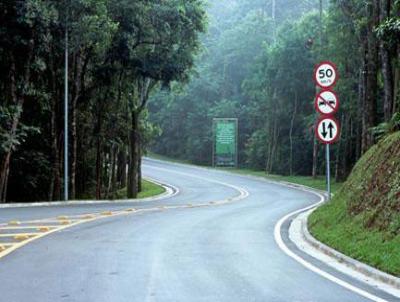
{"x": 311, "y": 267}
{"x": 299, "y": 234}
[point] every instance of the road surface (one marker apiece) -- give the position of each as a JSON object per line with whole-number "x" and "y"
{"x": 214, "y": 253}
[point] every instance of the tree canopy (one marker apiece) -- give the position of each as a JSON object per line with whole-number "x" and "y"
{"x": 258, "y": 67}
{"x": 119, "y": 51}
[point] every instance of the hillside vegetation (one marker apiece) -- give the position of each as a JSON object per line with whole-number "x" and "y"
{"x": 363, "y": 219}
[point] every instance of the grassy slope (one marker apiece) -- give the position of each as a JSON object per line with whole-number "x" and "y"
{"x": 149, "y": 189}
{"x": 363, "y": 219}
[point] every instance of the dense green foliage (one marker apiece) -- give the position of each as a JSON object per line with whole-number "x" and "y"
{"x": 259, "y": 69}
{"x": 255, "y": 63}
{"x": 119, "y": 51}
{"x": 363, "y": 219}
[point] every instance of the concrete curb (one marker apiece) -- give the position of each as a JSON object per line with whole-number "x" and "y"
{"x": 170, "y": 191}
{"x": 300, "y": 235}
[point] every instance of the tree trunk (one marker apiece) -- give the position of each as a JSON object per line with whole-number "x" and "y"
{"x": 269, "y": 149}
{"x": 77, "y": 88}
{"x": 369, "y": 118}
{"x": 315, "y": 156}
{"x": 359, "y": 121}
{"x": 4, "y": 193}
{"x": 133, "y": 157}
{"x": 338, "y": 161}
{"x": 274, "y": 145}
{"x": 124, "y": 178}
{"x": 140, "y": 169}
{"x": 98, "y": 156}
{"x": 396, "y": 89}
{"x": 98, "y": 169}
{"x": 396, "y": 86}
{"x": 55, "y": 185}
{"x": 18, "y": 101}
{"x": 121, "y": 173}
{"x": 5, "y": 166}
{"x": 291, "y": 134}
{"x": 350, "y": 147}
{"x": 55, "y": 189}
{"x": 113, "y": 171}
{"x": 387, "y": 68}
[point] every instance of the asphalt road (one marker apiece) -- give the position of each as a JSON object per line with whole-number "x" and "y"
{"x": 215, "y": 253}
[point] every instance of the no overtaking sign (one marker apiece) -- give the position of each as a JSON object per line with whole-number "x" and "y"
{"x": 327, "y": 102}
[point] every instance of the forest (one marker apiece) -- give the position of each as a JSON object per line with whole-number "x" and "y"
{"x": 118, "y": 52}
{"x": 257, "y": 65}
{"x": 151, "y": 75}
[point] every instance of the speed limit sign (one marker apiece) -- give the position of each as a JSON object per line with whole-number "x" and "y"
{"x": 326, "y": 75}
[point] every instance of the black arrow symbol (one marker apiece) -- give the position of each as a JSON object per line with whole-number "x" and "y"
{"x": 331, "y": 127}
{"x": 324, "y": 133}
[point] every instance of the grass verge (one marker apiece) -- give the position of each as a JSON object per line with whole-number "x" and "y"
{"x": 149, "y": 189}
{"x": 363, "y": 219}
{"x": 332, "y": 225}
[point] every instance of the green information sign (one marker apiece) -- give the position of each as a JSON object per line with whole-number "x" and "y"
{"x": 225, "y": 142}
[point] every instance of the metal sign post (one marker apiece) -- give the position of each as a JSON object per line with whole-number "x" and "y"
{"x": 327, "y": 104}
{"x": 66, "y": 172}
{"x": 328, "y": 171}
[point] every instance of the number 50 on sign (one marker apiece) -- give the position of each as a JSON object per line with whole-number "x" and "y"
{"x": 326, "y": 75}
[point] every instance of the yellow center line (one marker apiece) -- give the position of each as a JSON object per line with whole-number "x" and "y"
{"x": 17, "y": 234}
{"x": 7, "y": 244}
{"x": 27, "y": 227}
{"x": 63, "y": 222}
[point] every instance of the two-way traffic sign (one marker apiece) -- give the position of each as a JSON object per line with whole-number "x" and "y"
{"x": 328, "y": 130}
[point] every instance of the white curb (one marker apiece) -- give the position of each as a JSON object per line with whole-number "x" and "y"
{"x": 299, "y": 234}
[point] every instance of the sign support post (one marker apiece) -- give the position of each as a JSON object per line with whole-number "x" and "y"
{"x": 328, "y": 171}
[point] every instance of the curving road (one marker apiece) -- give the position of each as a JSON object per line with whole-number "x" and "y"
{"x": 214, "y": 253}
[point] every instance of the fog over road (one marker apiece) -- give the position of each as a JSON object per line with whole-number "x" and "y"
{"x": 215, "y": 253}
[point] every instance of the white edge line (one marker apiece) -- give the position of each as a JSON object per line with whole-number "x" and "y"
{"x": 278, "y": 227}
{"x": 311, "y": 267}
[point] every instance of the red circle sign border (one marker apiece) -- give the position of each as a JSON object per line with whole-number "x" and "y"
{"x": 316, "y": 102}
{"x": 337, "y": 134}
{"x": 336, "y": 72}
